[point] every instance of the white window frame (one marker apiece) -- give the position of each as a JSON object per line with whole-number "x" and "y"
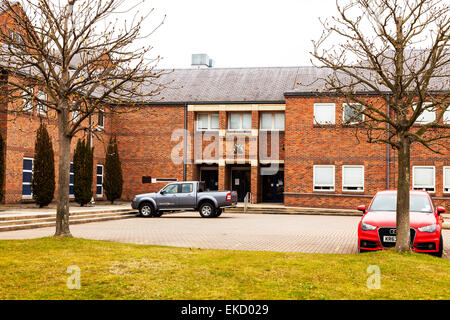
{"x": 433, "y": 187}
{"x": 349, "y": 105}
{"x": 446, "y": 116}
{"x": 272, "y": 128}
{"x": 445, "y": 184}
{"x": 241, "y": 121}
{"x": 28, "y": 183}
{"x": 102, "y": 112}
{"x": 333, "y": 116}
{"x": 100, "y": 195}
{"x": 76, "y": 114}
{"x": 41, "y": 108}
{"x": 28, "y": 102}
{"x": 331, "y": 188}
{"x": 209, "y": 121}
{"x": 344, "y": 187}
{"x": 420, "y": 119}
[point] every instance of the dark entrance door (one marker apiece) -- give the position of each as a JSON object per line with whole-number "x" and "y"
{"x": 211, "y": 179}
{"x": 273, "y": 187}
{"x": 240, "y": 182}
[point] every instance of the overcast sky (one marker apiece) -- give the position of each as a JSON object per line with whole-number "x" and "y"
{"x": 238, "y": 33}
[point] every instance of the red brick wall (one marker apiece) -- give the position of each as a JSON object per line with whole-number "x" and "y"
{"x": 145, "y": 146}
{"x": 19, "y": 132}
{"x": 307, "y": 144}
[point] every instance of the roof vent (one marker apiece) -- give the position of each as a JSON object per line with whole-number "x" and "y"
{"x": 201, "y": 60}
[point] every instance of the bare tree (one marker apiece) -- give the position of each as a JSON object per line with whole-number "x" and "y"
{"x": 84, "y": 57}
{"x": 391, "y": 66}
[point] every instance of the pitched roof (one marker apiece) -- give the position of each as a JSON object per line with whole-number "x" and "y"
{"x": 228, "y": 85}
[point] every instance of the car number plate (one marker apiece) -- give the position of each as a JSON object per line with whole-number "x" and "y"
{"x": 389, "y": 238}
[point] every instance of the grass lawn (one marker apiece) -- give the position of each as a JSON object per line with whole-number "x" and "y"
{"x": 37, "y": 269}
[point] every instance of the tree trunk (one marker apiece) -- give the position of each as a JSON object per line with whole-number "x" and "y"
{"x": 62, "y": 209}
{"x": 403, "y": 183}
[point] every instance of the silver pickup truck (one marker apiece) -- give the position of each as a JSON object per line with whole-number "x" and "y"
{"x": 184, "y": 196}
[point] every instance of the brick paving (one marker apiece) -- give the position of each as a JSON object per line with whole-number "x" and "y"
{"x": 260, "y": 232}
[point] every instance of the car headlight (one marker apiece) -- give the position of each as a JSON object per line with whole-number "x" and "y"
{"x": 431, "y": 228}
{"x": 367, "y": 227}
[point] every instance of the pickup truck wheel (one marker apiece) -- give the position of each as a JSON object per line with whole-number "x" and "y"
{"x": 207, "y": 210}
{"x": 218, "y": 212}
{"x": 146, "y": 210}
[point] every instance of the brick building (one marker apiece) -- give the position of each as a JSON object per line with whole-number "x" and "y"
{"x": 260, "y": 131}
{"x": 264, "y": 132}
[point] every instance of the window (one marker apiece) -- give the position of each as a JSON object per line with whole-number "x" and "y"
{"x": 71, "y": 180}
{"x": 99, "y": 191}
{"x": 446, "y": 174}
{"x": 186, "y": 188}
{"x": 423, "y": 178}
{"x": 101, "y": 119}
{"x": 171, "y": 188}
{"x": 353, "y": 178}
{"x": 324, "y": 113}
{"x": 75, "y": 115}
{"x": 27, "y": 100}
{"x": 427, "y": 116}
{"x": 208, "y": 121}
{"x": 240, "y": 121}
{"x": 17, "y": 38}
{"x": 41, "y": 108}
{"x": 27, "y": 177}
{"x": 446, "y": 116}
{"x": 323, "y": 178}
{"x": 352, "y": 113}
{"x": 272, "y": 121}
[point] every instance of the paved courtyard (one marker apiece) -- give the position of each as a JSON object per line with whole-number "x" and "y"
{"x": 264, "y": 232}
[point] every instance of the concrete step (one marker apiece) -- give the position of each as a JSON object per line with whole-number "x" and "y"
{"x": 292, "y": 210}
{"x": 21, "y": 224}
{"x": 34, "y": 215}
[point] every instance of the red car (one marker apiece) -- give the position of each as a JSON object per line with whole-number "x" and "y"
{"x": 377, "y": 228}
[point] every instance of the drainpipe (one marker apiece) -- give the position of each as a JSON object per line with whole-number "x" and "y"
{"x": 388, "y": 151}
{"x": 185, "y": 142}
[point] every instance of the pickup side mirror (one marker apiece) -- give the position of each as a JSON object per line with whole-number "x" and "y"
{"x": 362, "y": 208}
{"x": 440, "y": 210}
{"x": 162, "y": 192}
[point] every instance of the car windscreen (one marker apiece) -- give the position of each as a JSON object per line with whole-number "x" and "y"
{"x": 388, "y": 202}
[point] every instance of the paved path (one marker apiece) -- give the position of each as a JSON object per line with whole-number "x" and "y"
{"x": 295, "y": 233}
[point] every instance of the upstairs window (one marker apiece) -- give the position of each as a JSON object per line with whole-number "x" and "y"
{"x": 323, "y": 177}
{"x": 427, "y": 116}
{"x": 207, "y": 121}
{"x": 423, "y": 178}
{"x": 324, "y": 113}
{"x": 353, "y": 178}
{"x": 75, "y": 115}
{"x": 272, "y": 121}
{"x": 446, "y": 179}
{"x": 27, "y": 100}
{"x": 240, "y": 121}
{"x": 101, "y": 119}
{"x": 352, "y": 113}
{"x": 446, "y": 116}
{"x": 41, "y": 108}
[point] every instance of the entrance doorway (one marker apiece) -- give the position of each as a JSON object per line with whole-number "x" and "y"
{"x": 273, "y": 187}
{"x": 241, "y": 182}
{"x": 211, "y": 178}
